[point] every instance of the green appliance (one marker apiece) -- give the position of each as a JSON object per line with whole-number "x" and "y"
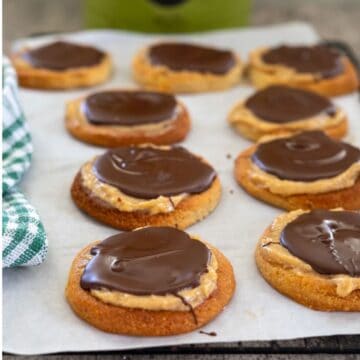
{"x": 167, "y": 16}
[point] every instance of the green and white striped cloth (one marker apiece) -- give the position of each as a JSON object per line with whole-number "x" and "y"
{"x": 24, "y": 238}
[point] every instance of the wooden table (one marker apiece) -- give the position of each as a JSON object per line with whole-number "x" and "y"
{"x": 337, "y": 347}
{"x": 334, "y": 19}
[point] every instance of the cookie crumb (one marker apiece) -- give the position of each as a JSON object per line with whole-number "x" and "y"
{"x": 228, "y": 156}
{"x": 231, "y": 191}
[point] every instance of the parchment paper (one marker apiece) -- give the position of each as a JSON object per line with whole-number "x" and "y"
{"x": 37, "y": 318}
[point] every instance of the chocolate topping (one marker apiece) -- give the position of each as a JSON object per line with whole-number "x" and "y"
{"x": 149, "y": 261}
{"x": 308, "y": 156}
{"x": 129, "y": 107}
{"x": 329, "y": 241}
{"x": 61, "y": 55}
{"x": 147, "y": 172}
{"x": 282, "y": 104}
{"x": 180, "y": 56}
{"x": 317, "y": 59}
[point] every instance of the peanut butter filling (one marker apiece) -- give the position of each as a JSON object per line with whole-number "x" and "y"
{"x": 160, "y": 75}
{"x": 240, "y": 115}
{"x": 192, "y": 296}
{"x": 283, "y": 74}
{"x": 276, "y": 253}
{"x": 117, "y": 199}
{"x": 288, "y": 187}
{"x": 146, "y": 129}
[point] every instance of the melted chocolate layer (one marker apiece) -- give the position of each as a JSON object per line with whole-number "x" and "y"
{"x": 147, "y": 172}
{"x": 61, "y": 55}
{"x": 180, "y": 56}
{"x": 327, "y": 240}
{"x": 129, "y": 108}
{"x": 308, "y": 156}
{"x": 282, "y": 104}
{"x": 149, "y": 261}
{"x": 317, "y": 59}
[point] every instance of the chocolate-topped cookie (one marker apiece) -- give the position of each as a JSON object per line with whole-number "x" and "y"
{"x": 61, "y": 65}
{"x": 152, "y": 281}
{"x": 308, "y": 170}
{"x": 189, "y": 57}
{"x": 317, "y": 68}
{"x": 60, "y": 55}
{"x": 115, "y": 118}
{"x": 185, "y": 67}
{"x": 129, "y": 108}
{"x": 130, "y": 187}
{"x": 282, "y": 104}
{"x": 327, "y": 240}
{"x": 280, "y": 109}
{"x": 149, "y": 172}
{"x": 308, "y": 156}
{"x": 318, "y": 59}
{"x": 149, "y": 261}
{"x": 313, "y": 257}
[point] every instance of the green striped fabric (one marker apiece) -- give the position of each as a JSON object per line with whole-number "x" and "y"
{"x": 24, "y": 238}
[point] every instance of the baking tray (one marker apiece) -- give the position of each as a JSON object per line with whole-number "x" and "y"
{"x": 34, "y": 297}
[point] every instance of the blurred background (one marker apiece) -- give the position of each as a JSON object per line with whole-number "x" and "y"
{"x": 333, "y": 19}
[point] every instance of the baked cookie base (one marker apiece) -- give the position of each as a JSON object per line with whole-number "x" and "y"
{"x": 189, "y": 211}
{"x": 127, "y": 321}
{"x": 348, "y": 198}
{"x": 337, "y": 131}
{"x": 109, "y": 136}
{"x": 344, "y": 83}
{"x": 312, "y": 290}
{"x": 39, "y": 78}
{"x": 161, "y": 78}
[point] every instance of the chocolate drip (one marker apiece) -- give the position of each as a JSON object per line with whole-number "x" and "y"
{"x": 191, "y": 309}
{"x": 149, "y": 261}
{"x": 329, "y": 241}
{"x": 148, "y": 172}
{"x": 181, "y": 56}
{"x": 308, "y": 156}
{"x": 61, "y": 55}
{"x": 129, "y": 108}
{"x": 282, "y": 104}
{"x": 211, "y": 333}
{"x": 318, "y": 59}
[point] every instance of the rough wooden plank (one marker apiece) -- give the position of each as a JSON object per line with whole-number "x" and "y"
{"x": 324, "y": 343}
{"x": 190, "y": 357}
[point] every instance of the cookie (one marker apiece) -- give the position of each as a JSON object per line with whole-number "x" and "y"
{"x": 304, "y": 171}
{"x": 127, "y": 117}
{"x": 131, "y": 187}
{"x": 186, "y": 68}
{"x": 61, "y": 65}
{"x": 279, "y": 109}
{"x": 137, "y": 293}
{"x": 313, "y": 258}
{"x": 317, "y": 68}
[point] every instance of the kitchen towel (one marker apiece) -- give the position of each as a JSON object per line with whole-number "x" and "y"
{"x": 24, "y": 238}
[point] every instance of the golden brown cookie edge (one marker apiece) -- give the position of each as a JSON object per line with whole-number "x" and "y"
{"x": 308, "y": 289}
{"x": 38, "y": 78}
{"x": 121, "y": 320}
{"x": 345, "y": 198}
{"x": 89, "y": 134}
{"x": 192, "y": 209}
